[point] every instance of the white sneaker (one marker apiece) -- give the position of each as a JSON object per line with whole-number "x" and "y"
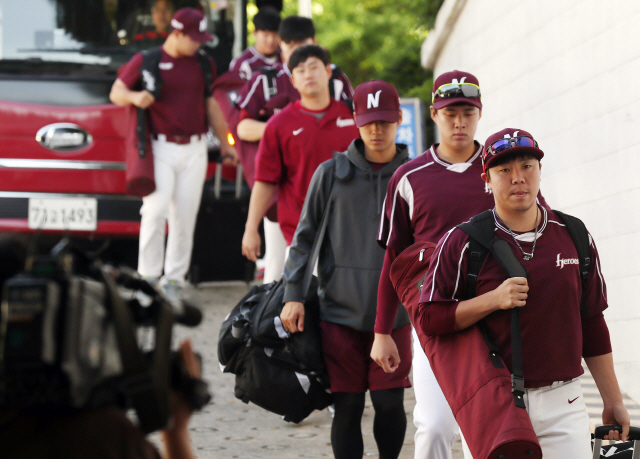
{"x": 171, "y": 290}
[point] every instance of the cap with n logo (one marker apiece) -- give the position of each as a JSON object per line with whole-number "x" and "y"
{"x": 459, "y": 79}
{"x": 376, "y": 100}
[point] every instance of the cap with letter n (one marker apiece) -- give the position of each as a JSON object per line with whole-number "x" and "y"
{"x": 506, "y": 142}
{"x": 192, "y": 23}
{"x": 376, "y": 100}
{"x": 455, "y": 87}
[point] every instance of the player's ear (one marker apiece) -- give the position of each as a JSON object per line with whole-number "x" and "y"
{"x": 487, "y": 178}
{"x": 399, "y": 117}
{"x": 434, "y": 112}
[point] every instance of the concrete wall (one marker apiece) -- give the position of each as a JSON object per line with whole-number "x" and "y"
{"x": 569, "y": 73}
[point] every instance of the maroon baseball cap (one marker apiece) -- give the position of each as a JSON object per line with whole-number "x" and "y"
{"x": 376, "y": 100}
{"x": 508, "y": 142}
{"x": 192, "y": 23}
{"x": 455, "y": 87}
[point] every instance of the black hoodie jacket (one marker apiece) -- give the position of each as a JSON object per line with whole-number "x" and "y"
{"x": 350, "y": 259}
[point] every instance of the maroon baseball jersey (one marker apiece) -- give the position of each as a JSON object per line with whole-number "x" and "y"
{"x": 294, "y": 144}
{"x": 256, "y": 102}
{"x": 425, "y": 198}
{"x": 552, "y": 328}
{"x": 251, "y": 60}
{"x": 428, "y": 196}
{"x": 181, "y": 107}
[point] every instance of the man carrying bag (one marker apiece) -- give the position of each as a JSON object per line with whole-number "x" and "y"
{"x": 352, "y": 185}
{"x": 561, "y": 301}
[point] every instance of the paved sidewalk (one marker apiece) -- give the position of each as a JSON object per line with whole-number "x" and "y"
{"x": 228, "y": 428}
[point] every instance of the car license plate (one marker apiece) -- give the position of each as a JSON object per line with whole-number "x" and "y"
{"x": 77, "y": 214}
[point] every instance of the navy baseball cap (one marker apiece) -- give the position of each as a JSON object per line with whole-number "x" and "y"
{"x": 192, "y": 23}
{"x": 376, "y": 100}
{"x": 509, "y": 141}
{"x": 454, "y": 88}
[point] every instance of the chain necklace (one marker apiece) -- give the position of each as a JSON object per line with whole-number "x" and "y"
{"x": 525, "y": 255}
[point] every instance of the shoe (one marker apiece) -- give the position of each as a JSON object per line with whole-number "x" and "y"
{"x": 171, "y": 290}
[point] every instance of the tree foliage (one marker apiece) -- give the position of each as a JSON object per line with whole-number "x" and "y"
{"x": 377, "y": 39}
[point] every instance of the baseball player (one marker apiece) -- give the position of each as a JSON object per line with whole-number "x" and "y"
{"x": 349, "y": 271}
{"x": 295, "y": 142}
{"x": 555, "y": 335}
{"x": 179, "y": 121}
{"x": 425, "y": 198}
{"x": 265, "y": 52}
{"x": 258, "y": 103}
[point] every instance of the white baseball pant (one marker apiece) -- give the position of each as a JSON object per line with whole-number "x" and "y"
{"x": 560, "y": 420}
{"x": 275, "y": 249}
{"x": 436, "y": 426}
{"x": 179, "y": 172}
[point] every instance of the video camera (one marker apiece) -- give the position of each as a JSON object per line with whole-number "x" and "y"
{"x": 70, "y": 332}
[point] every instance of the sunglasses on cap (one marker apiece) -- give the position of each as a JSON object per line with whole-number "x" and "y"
{"x": 501, "y": 145}
{"x": 456, "y": 90}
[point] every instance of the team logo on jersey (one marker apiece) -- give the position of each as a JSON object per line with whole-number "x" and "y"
{"x": 149, "y": 81}
{"x": 560, "y": 262}
{"x": 344, "y": 123}
{"x": 373, "y": 100}
{"x": 298, "y": 131}
{"x": 165, "y": 65}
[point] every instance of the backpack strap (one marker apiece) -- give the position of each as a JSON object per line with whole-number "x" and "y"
{"x": 205, "y": 63}
{"x": 580, "y": 236}
{"x": 335, "y": 83}
{"x": 270, "y": 88}
{"x": 480, "y": 229}
{"x": 150, "y": 71}
{"x": 151, "y": 81}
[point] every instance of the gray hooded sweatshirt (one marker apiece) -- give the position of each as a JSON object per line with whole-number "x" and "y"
{"x": 350, "y": 259}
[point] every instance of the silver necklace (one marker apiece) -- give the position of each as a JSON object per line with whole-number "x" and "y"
{"x": 525, "y": 255}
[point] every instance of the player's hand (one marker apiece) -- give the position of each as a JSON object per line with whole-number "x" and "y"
{"x": 251, "y": 244}
{"x": 512, "y": 293}
{"x": 142, "y": 99}
{"x": 229, "y": 154}
{"x": 385, "y": 352}
{"x": 292, "y": 316}
{"x": 616, "y": 415}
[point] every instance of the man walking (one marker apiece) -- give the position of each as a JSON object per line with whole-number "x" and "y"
{"x": 268, "y": 92}
{"x": 556, "y": 334}
{"x": 349, "y": 269}
{"x": 179, "y": 121}
{"x": 295, "y": 142}
{"x": 425, "y": 198}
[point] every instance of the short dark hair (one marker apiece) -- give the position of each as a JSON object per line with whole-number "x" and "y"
{"x": 296, "y": 29}
{"x": 303, "y": 53}
{"x": 267, "y": 18}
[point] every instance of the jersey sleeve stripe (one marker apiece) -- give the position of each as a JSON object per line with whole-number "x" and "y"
{"x": 253, "y": 89}
{"x": 455, "y": 290}
{"x": 381, "y": 229}
{"x": 435, "y": 271}
{"x": 395, "y": 197}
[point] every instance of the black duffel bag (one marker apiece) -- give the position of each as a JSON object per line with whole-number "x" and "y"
{"x": 280, "y": 372}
